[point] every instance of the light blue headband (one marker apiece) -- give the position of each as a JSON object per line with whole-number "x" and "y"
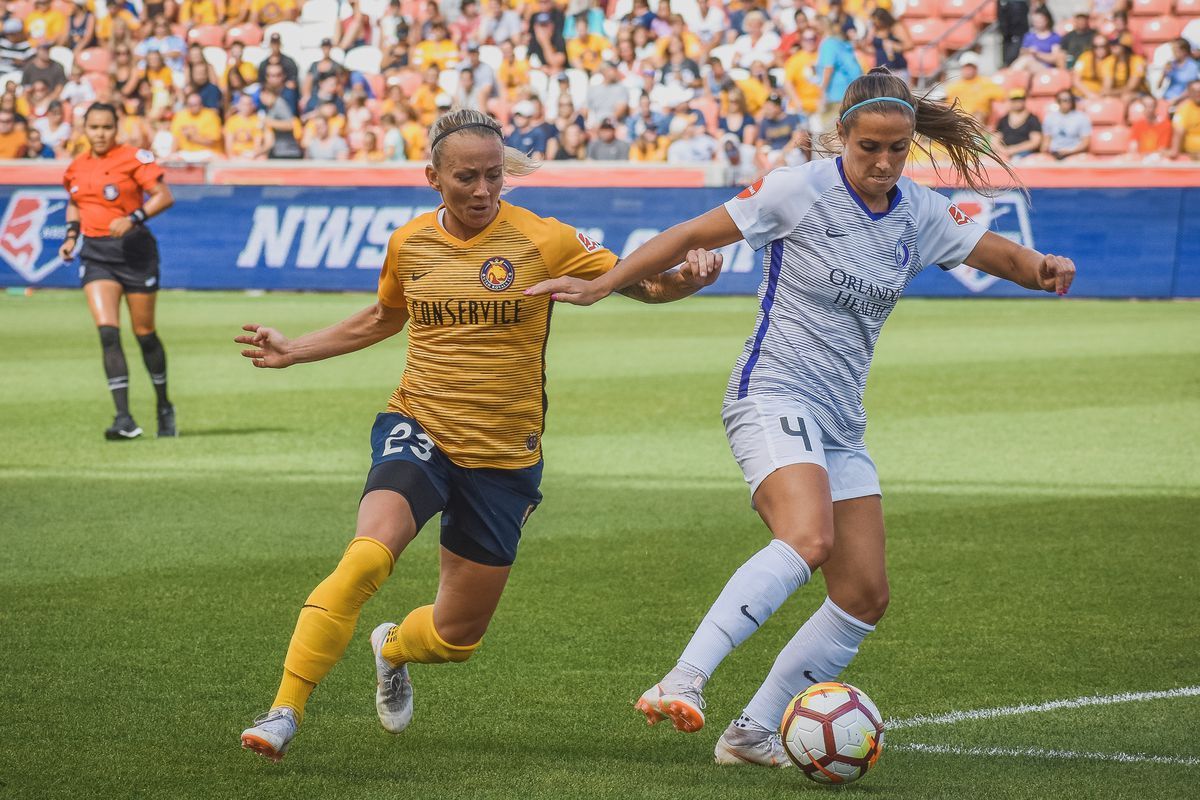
{"x": 868, "y": 101}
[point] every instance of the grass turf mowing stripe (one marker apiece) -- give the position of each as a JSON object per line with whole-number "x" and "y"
{"x": 1041, "y": 752}
{"x": 1053, "y": 705}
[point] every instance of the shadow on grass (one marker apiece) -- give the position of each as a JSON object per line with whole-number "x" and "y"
{"x": 190, "y": 432}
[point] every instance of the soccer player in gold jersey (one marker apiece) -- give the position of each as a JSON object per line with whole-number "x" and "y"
{"x": 461, "y": 434}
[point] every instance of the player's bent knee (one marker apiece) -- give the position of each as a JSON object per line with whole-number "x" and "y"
{"x": 867, "y": 604}
{"x": 814, "y": 547}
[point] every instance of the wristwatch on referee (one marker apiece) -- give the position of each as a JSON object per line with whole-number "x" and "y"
{"x": 138, "y": 216}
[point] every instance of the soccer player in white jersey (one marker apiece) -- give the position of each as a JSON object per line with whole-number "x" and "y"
{"x": 842, "y": 237}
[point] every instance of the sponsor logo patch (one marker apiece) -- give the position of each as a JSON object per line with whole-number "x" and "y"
{"x": 111, "y": 192}
{"x": 959, "y": 216}
{"x": 751, "y": 190}
{"x": 588, "y": 244}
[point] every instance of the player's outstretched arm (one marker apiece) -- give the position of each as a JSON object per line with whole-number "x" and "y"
{"x": 708, "y": 231}
{"x": 270, "y": 349}
{"x": 701, "y": 268}
{"x": 1024, "y": 266}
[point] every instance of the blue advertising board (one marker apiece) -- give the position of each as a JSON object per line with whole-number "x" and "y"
{"x": 1126, "y": 242}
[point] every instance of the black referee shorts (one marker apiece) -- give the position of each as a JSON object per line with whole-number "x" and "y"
{"x": 131, "y": 260}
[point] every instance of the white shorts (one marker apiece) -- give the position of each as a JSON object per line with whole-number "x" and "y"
{"x": 768, "y": 433}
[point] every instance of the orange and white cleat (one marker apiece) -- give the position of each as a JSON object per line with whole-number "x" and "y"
{"x": 271, "y": 733}
{"x": 682, "y": 703}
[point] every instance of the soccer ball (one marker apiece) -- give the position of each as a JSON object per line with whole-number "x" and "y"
{"x": 832, "y": 732}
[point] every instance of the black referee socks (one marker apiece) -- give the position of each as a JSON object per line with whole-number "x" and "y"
{"x": 114, "y": 366}
{"x": 155, "y": 358}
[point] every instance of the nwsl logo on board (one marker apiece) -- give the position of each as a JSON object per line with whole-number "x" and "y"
{"x": 31, "y": 231}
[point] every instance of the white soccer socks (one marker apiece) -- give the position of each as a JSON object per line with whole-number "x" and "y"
{"x": 819, "y": 651}
{"x": 753, "y": 594}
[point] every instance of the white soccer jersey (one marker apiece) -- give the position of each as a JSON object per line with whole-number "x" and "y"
{"x": 832, "y": 272}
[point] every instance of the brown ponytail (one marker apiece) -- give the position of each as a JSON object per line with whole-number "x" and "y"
{"x": 964, "y": 138}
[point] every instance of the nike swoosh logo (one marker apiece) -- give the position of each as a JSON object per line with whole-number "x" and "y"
{"x": 809, "y": 675}
{"x": 748, "y": 616}
{"x": 832, "y": 234}
{"x": 417, "y": 277}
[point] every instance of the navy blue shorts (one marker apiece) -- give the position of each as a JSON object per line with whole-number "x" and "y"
{"x": 482, "y": 509}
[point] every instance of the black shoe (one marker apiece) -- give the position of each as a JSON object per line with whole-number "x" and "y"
{"x": 166, "y": 421}
{"x": 123, "y": 427}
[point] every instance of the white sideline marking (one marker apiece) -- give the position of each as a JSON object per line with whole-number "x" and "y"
{"x": 1039, "y": 752}
{"x": 1053, "y": 705}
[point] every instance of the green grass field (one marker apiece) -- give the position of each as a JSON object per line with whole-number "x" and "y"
{"x": 1039, "y": 460}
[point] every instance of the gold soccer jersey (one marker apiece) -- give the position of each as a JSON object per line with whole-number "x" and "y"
{"x": 475, "y": 373}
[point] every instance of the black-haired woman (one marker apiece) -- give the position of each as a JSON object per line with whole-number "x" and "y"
{"x": 842, "y": 237}
{"x": 112, "y": 190}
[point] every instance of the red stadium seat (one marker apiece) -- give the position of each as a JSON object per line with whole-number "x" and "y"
{"x": 409, "y": 81}
{"x": 924, "y": 31}
{"x": 1038, "y": 158}
{"x": 1040, "y": 106}
{"x": 999, "y": 112}
{"x": 94, "y": 59}
{"x": 248, "y": 34}
{"x": 1187, "y": 8}
{"x": 1104, "y": 111}
{"x": 99, "y": 81}
{"x": 955, "y": 9}
{"x": 957, "y": 37}
{"x": 920, "y": 9}
{"x": 1157, "y": 30}
{"x": 1149, "y": 8}
{"x": 207, "y": 36}
{"x": 1010, "y": 79}
{"x": 377, "y": 85}
{"x": 1110, "y": 141}
{"x": 1050, "y": 83}
{"x": 924, "y": 62}
{"x": 1138, "y": 109}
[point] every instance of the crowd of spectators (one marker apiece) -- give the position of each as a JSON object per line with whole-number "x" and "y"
{"x": 749, "y": 84}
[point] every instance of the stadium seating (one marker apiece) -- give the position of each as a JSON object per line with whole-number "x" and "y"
{"x": 207, "y": 36}
{"x": 1050, "y": 83}
{"x": 924, "y": 62}
{"x": 1191, "y": 32}
{"x": 1149, "y": 8}
{"x": 1156, "y": 30}
{"x": 248, "y": 34}
{"x": 63, "y": 56}
{"x": 366, "y": 60}
{"x": 926, "y": 31}
{"x": 217, "y": 58}
{"x": 920, "y": 9}
{"x": 1187, "y": 8}
{"x": 1104, "y": 111}
{"x": 95, "y": 59}
{"x": 1110, "y": 141}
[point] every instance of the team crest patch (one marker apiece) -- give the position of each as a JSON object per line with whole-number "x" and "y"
{"x": 144, "y": 156}
{"x": 751, "y": 190}
{"x": 531, "y": 442}
{"x": 902, "y": 254}
{"x": 959, "y": 216}
{"x": 588, "y": 244}
{"x": 111, "y": 192}
{"x": 497, "y": 274}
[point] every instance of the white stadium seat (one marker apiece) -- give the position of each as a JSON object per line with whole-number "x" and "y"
{"x": 320, "y": 11}
{"x": 490, "y": 54}
{"x": 64, "y": 56}
{"x": 365, "y": 59}
{"x": 311, "y": 34}
{"x": 217, "y": 58}
{"x": 289, "y": 35}
{"x": 448, "y": 81}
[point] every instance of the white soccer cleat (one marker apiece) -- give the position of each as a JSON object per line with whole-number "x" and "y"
{"x": 682, "y": 703}
{"x": 740, "y": 746}
{"x": 271, "y": 733}
{"x": 393, "y": 690}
